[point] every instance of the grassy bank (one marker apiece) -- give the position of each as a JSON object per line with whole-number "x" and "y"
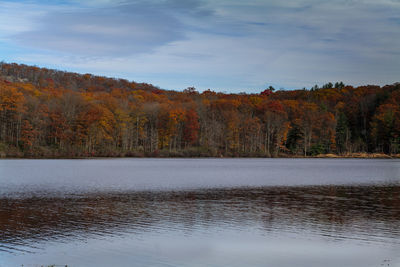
{"x": 360, "y": 155}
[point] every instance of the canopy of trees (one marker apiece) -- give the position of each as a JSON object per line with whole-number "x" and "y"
{"x": 48, "y": 113}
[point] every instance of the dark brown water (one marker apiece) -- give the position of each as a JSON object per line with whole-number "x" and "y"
{"x": 203, "y": 212}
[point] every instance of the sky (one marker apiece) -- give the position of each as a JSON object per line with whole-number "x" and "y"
{"x": 225, "y": 45}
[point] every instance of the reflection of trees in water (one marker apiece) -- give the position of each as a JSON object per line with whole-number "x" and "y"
{"x": 323, "y": 209}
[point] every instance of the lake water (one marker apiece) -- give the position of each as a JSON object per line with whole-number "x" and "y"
{"x": 200, "y": 212}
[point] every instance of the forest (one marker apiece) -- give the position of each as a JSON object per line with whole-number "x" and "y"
{"x": 46, "y": 113}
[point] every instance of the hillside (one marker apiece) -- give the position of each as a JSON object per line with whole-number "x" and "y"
{"x": 49, "y": 113}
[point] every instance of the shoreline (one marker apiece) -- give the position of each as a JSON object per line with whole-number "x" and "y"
{"x": 281, "y": 156}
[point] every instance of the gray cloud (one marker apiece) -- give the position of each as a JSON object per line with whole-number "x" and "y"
{"x": 124, "y": 28}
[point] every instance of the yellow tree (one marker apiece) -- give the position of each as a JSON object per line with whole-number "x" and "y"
{"x": 12, "y": 107}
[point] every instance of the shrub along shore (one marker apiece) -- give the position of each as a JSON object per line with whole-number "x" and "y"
{"x": 182, "y": 154}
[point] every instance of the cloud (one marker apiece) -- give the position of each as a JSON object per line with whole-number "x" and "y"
{"x": 10, "y": 23}
{"x": 114, "y": 31}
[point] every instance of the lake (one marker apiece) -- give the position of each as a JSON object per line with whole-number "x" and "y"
{"x": 200, "y": 212}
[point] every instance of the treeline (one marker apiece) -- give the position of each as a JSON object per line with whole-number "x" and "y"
{"x": 48, "y": 113}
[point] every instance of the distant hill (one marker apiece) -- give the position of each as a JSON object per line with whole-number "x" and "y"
{"x": 73, "y": 81}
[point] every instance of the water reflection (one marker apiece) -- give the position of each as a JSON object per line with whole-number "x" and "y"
{"x": 364, "y": 213}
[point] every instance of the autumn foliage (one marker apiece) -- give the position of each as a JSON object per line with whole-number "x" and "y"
{"x": 48, "y": 113}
